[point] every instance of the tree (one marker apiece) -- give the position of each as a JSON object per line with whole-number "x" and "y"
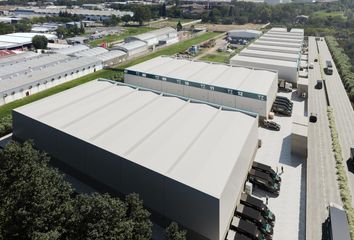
{"x": 61, "y": 32}
{"x": 99, "y": 217}
{"x": 163, "y": 11}
{"x": 179, "y": 26}
{"x": 174, "y": 233}
{"x": 40, "y": 42}
{"x": 142, "y": 14}
{"x": 36, "y": 203}
{"x": 140, "y": 217}
{"x": 126, "y": 18}
{"x": 34, "y": 199}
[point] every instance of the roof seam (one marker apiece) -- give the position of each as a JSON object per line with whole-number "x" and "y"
{"x": 154, "y": 130}
{"x": 194, "y": 140}
{"x": 120, "y": 121}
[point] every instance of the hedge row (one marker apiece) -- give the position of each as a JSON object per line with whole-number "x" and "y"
{"x": 343, "y": 64}
{"x": 5, "y": 125}
{"x": 341, "y": 174}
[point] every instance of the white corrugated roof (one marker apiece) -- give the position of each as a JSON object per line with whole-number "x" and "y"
{"x": 276, "y": 55}
{"x": 91, "y": 52}
{"x": 219, "y": 75}
{"x": 34, "y": 77}
{"x": 33, "y": 64}
{"x": 274, "y": 48}
{"x": 264, "y": 61}
{"x": 195, "y": 144}
{"x": 30, "y": 35}
{"x": 276, "y": 39}
{"x": 17, "y": 58}
{"x": 72, "y": 49}
{"x": 280, "y": 44}
{"x": 129, "y": 46}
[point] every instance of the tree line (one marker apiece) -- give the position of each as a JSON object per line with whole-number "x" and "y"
{"x": 343, "y": 64}
{"x": 37, "y": 203}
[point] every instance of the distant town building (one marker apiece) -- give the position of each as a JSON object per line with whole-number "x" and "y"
{"x": 92, "y": 15}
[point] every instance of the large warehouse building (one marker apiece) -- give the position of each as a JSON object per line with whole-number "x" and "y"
{"x": 255, "y": 46}
{"x": 24, "y": 83}
{"x": 155, "y": 37}
{"x": 237, "y": 87}
{"x": 278, "y": 44}
{"x": 293, "y": 57}
{"x": 187, "y": 160}
{"x": 282, "y": 40}
{"x": 287, "y": 70}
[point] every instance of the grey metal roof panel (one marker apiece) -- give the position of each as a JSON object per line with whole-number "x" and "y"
{"x": 264, "y": 60}
{"x": 91, "y": 52}
{"x": 111, "y": 55}
{"x": 72, "y": 50}
{"x": 16, "y": 58}
{"x": 339, "y": 223}
{"x": 34, "y": 77}
{"x": 33, "y": 64}
{"x": 145, "y": 128}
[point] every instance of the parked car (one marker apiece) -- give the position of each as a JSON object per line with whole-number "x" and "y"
{"x": 313, "y": 117}
{"x": 271, "y": 125}
{"x": 311, "y": 65}
{"x": 319, "y": 84}
{"x": 315, "y": 60}
{"x": 259, "y": 205}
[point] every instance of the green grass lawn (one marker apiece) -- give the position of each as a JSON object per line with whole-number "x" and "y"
{"x": 324, "y": 14}
{"x": 176, "y": 48}
{"x": 6, "y": 109}
{"x": 216, "y": 57}
{"x": 129, "y": 31}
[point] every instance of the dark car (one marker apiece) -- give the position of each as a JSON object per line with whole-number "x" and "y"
{"x": 318, "y": 84}
{"x": 271, "y": 125}
{"x": 313, "y": 117}
{"x": 258, "y": 205}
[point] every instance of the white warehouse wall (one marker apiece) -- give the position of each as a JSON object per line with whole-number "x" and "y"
{"x": 229, "y": 100}
{"x": 37, "y": 87}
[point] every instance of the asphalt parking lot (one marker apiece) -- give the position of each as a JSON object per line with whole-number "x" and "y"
{"x": 289, "y": 207}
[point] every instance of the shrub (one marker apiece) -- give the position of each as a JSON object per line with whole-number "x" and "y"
{"x": 5, "y": 125}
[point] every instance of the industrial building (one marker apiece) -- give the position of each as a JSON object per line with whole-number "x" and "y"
{"x": 283, "y": 36}
{"x": 295, "y": 31}
{"x": 156, "y": 37}
{"x": 72, "y": 49}
{"x": 243, "y": 88}
{"x": 132, "y": 48}
{"x": 22, "y": 84}
{"x": 21, "y": 40}
{"x": 255, "y": 46}
{"x": 186, "y": 159}
{"x": 278, "y": 44}
{"x": 293, "y": 57}
{"x": 16, "y": 58}
{"x": 277, "y": 39}
{"x": 90, "y": 15}
{"x": 108, "y": 58}
{"x": 35, "y": 63}
{"x": 287, "y": 70}
{"x": 246, "y": 34}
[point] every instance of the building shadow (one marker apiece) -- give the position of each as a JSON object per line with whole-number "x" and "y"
{"x": 295, "y": 97}
{"x": 325, "y": 230}
{"x": 286, "y": 157}
{"x": 302, "y": 210}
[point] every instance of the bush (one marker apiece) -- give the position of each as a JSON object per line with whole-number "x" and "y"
{"x": 5, "y": 125}
{"x": 343, "y": 64}
{"x": 341, "y": 174}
